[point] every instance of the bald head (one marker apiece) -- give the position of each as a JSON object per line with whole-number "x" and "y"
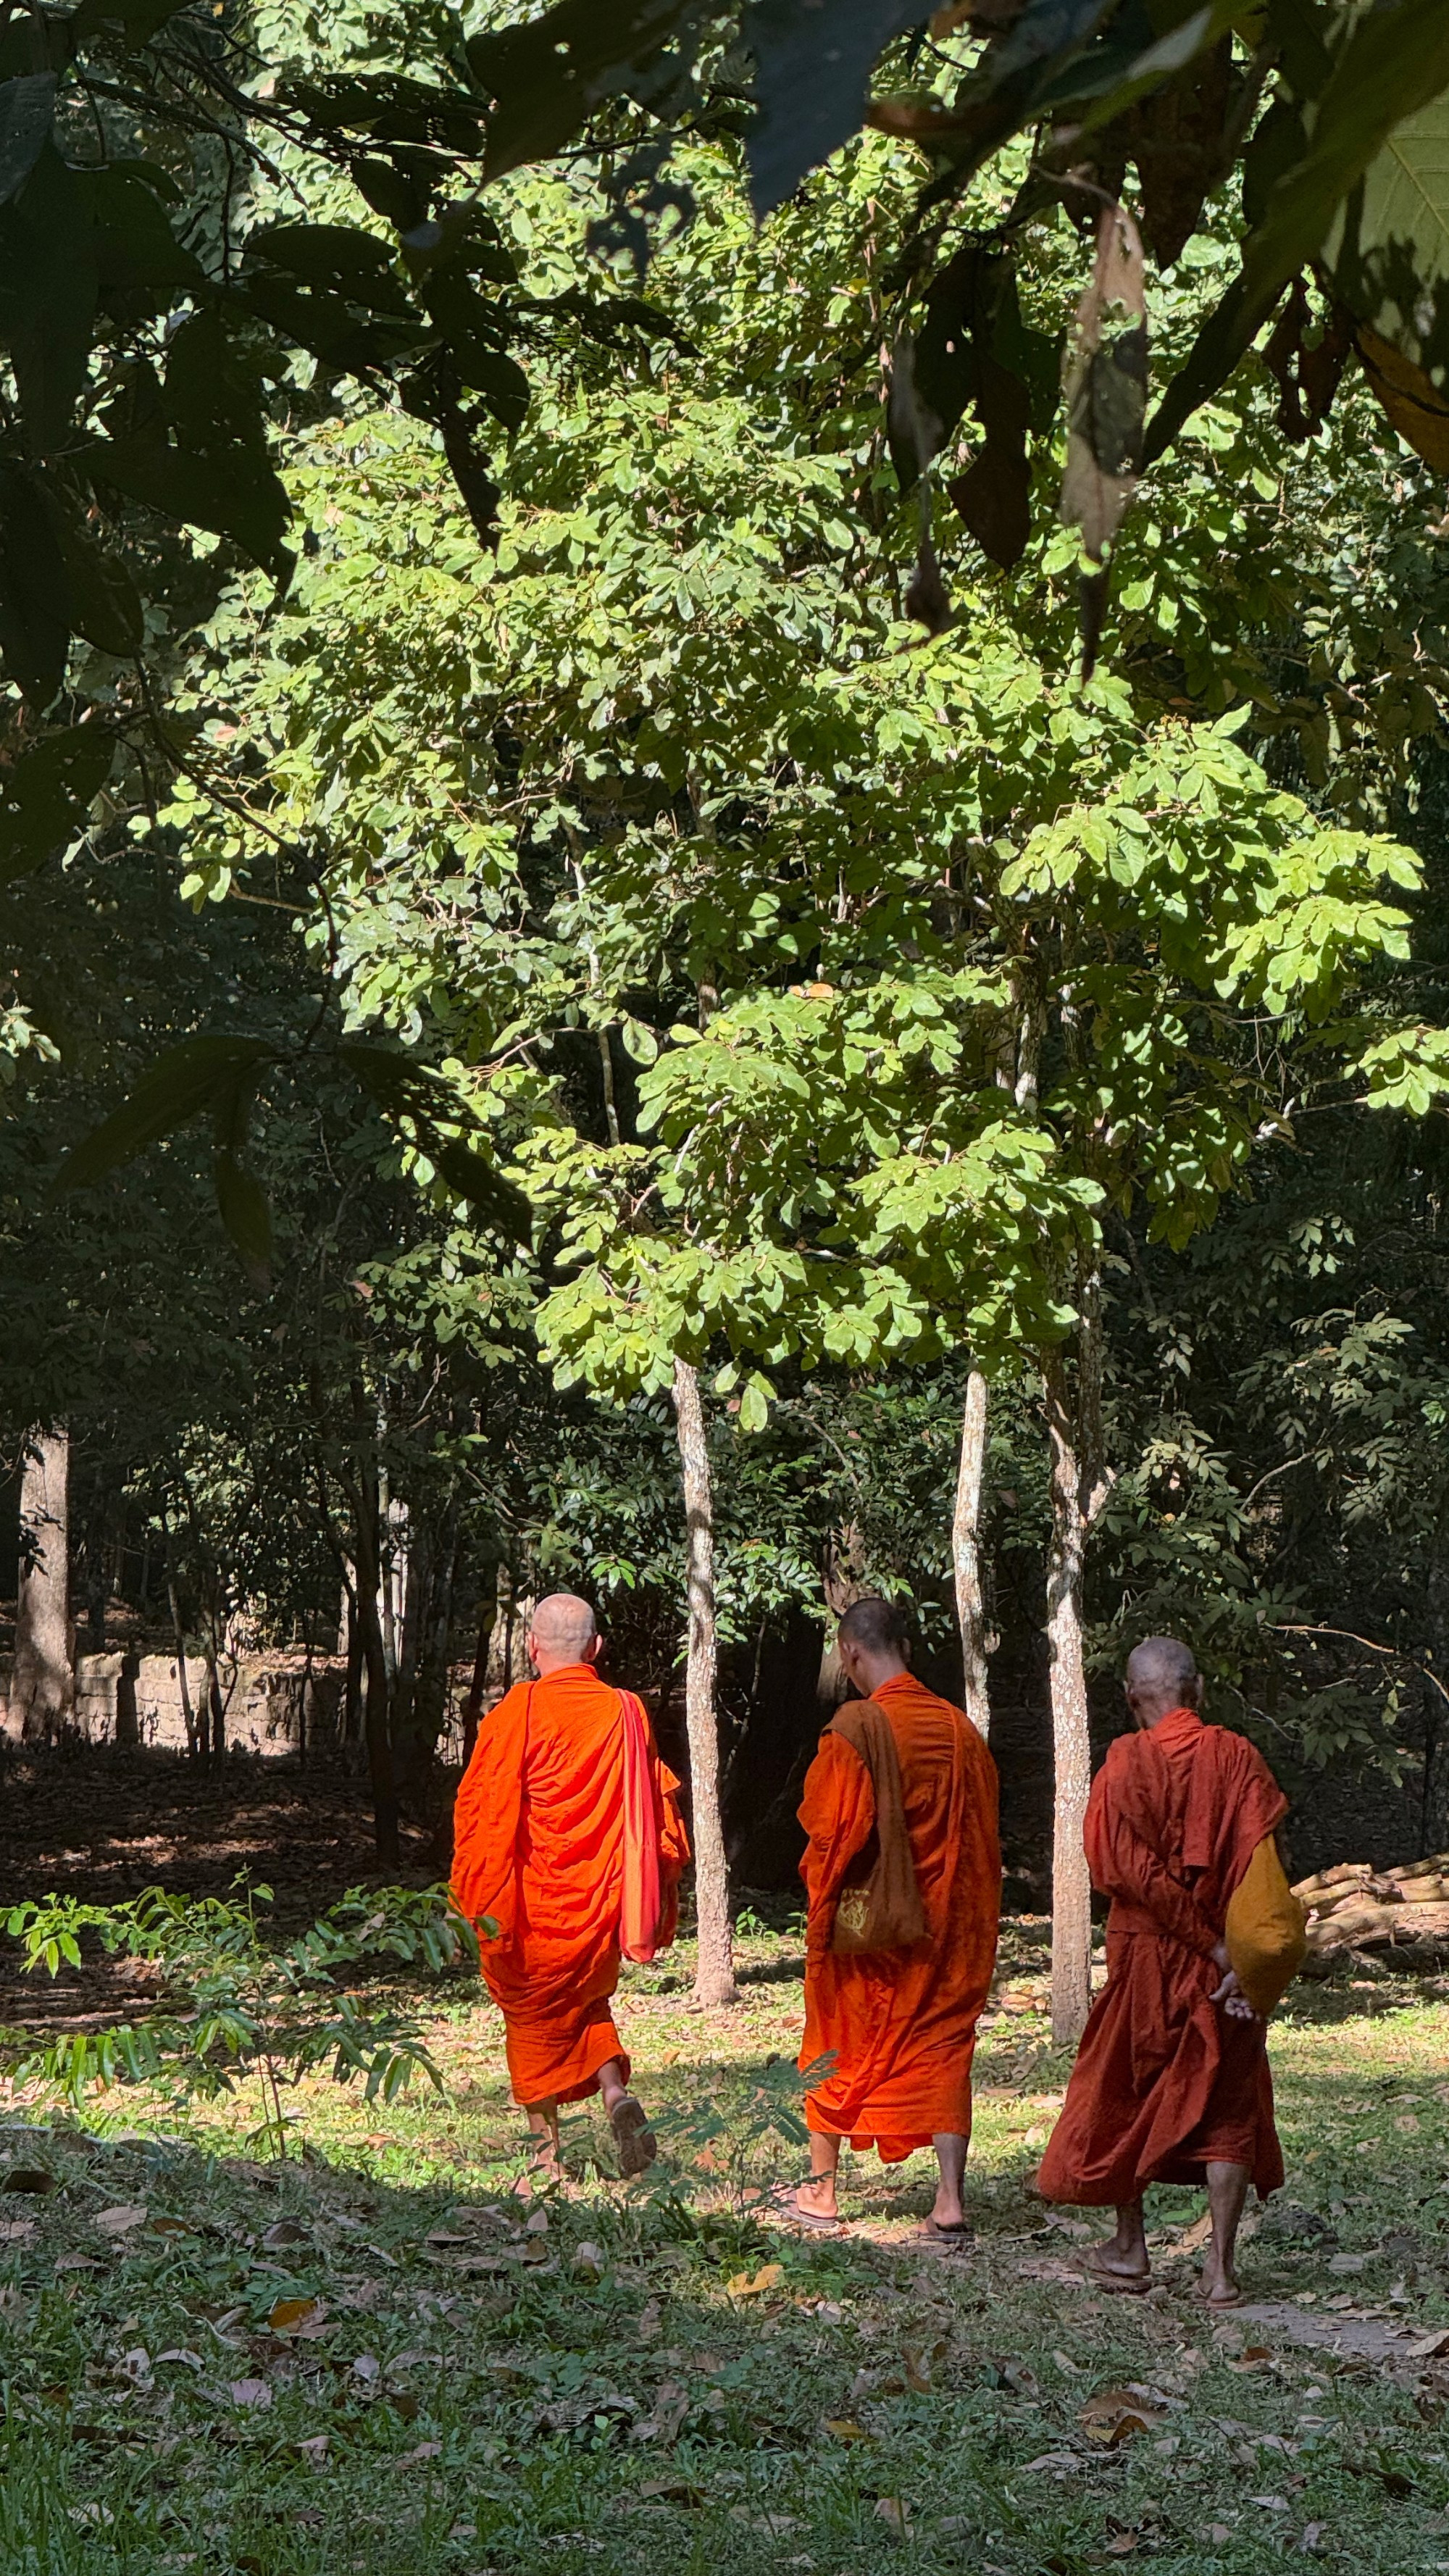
{"x": 1162, "y": 1674}
{"x": 564, "y": 1631}
{"x": 871, "y": 1643}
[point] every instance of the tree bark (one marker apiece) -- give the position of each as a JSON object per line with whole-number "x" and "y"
{"x": 376, "y": 1720}
{"x": 715, "y": 1976}
{"x": 966, "y": 1557}
{"x": 1071, "y": 1742}
{"x": 43, "y": 1689}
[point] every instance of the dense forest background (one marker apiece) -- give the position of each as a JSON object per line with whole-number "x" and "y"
{"x": 671, "y": 852}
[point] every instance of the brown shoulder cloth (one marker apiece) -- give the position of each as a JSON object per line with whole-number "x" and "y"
{"x": 879, "y": 1905}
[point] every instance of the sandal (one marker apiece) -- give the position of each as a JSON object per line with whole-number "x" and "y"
{"x": 785, "y": 2205}
{"x": 954, "y": 2232}
{"x": 633, "y": 2136}
{"x": 1118, "y": 2285}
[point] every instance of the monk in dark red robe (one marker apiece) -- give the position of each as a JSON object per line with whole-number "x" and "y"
{"x": 1171, "y": 2082}
{"x": 568, "y": 1847}
{"x": 900, "y": 2023}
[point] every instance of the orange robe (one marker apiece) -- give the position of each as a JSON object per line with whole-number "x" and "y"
{"x": 539, "y": 1847}
{"x": 902, "y": 2023}
{"x": 1165, "y": 2082}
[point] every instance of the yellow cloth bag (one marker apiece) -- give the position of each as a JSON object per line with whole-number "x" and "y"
{"x": 1266, "y": 1930}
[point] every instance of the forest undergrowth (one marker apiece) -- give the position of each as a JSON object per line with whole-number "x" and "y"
{"x": 386, "y": 2353}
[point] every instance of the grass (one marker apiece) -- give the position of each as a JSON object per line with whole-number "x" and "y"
{"x": 653, "y": 2379}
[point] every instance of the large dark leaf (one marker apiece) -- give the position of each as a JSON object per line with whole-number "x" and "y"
{"x": 474, "y": 330}
{"x": 1394, "y": 63}
{"x": 396, "y": 1081}
{"x": 813, "y": 69}
{"x": 1388, "y": 252}
{"x": 26, "y": 108}
{"x": 34, "y": 631}
{"x": 1106, "y": 387}
{"x": 138, "y": 20}
{"x": 45, "y": 793}
{"x": 102, "y": 599}
{"x": 1417, "y": 408}
{"x": 246, "y": 1215}
{"x": 48, "y": 289}
{"x": 496, "y": 1201}
{"x": 544, "y": 76}
{"x": 181, "y": 1085}
{"x": 235, "y": 495}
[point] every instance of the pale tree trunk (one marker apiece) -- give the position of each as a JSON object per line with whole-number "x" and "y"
{"x": 714, "y": 1976}
{"x": 966, "y": 1556}
{"x": 1071, "y": 1742}
{"x": 1079, "y": 1487}
{"x": 43, "y": 1688}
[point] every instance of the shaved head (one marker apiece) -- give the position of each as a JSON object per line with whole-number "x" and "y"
{"x": 1162, "y": 1674}
{"x": 564, "y": 1626}
{"x": 874, "y": 1625}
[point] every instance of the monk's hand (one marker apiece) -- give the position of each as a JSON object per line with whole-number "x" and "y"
{"x": 1230, "y": 1995}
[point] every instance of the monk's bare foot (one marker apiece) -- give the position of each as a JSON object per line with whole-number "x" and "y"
{"x": 1114, "y": 2267}
{"x": 810, "y": 2204}
{"x": 1218, "y": 2288}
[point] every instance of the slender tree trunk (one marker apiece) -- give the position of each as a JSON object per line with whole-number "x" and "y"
{"x": 376, "y": 1705}
{"x": 43, "y": 1689}
{"x": 1071, "y": 1742}
{"x": 715, "y": 1976}
{"x": 966, "y": 1556}
{"x": 487, "y": 1612}
{"x": 173, "y": 1598}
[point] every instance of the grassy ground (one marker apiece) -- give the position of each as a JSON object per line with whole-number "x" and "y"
{"x": 381, "y": 2357}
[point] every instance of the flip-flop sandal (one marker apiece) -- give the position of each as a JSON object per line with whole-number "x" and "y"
{"x": 1118, "y": 2285}
{"x": 1217, "y": 2307}
{"x": 785, "y": 2205}
{"x": 952, "y": 2232}
{"x": 633, "y": 2137}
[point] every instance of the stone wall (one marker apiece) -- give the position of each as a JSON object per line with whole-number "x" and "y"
{"x": 274, "y": 1709}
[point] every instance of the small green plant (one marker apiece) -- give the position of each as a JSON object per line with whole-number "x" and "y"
{"x": 236, "y": 2005}
{"x": 736, "y": 2132}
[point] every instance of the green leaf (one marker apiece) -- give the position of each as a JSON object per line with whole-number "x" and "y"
{"x": 27, "y": 106}
{"x": 178, "y": 1087}
{"x": 44, "y": 797}
{"x": 1395, "y": 62}
{"x": 1388, "y": 251}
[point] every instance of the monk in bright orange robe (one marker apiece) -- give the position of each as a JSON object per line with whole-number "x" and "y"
{"x": 568, "y": 1839}
{"x": 901, "y": 2023}
{"x": 1171, "y": 2082}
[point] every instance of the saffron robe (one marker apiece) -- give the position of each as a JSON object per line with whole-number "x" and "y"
{"x": 902, "y": 2023}
{"x": 1166, "y": 2082}
{"x": 540, "y": 1847}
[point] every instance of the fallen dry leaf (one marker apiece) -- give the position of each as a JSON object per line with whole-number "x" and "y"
{"x": 286, "y": 2232}
{"x": 923, "y": 2364}
{"x": 289, "y": 2314}
{"x": 768, "y": 2277}
{"x": 121, "y": 2220}
{"x": 250, "y": 2392}
{"x": 1113, "y": 2415}
{"x": 28, "y": 2178}
{"x": 14, "y": 2230}
{"x": 846, "y": 2429}
{"x": 895, "y": 2513}
{"x": 589, "y": 2258}
{"x": 314, "y": 2449}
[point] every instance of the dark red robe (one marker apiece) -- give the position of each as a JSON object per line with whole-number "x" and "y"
{"x": 1165, "y": 2082}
